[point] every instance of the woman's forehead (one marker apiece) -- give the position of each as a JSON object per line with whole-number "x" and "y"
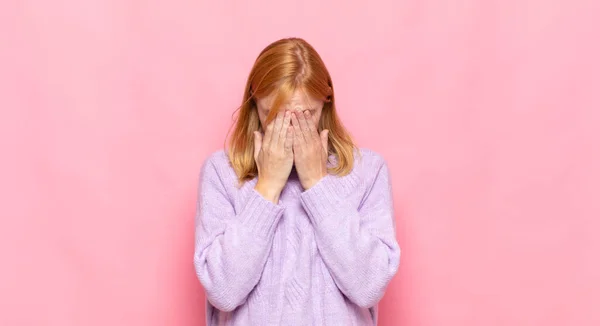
{"x": 299, "y": 99}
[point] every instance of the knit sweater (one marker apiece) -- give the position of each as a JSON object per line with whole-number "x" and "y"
{"x": 322, "y": 256}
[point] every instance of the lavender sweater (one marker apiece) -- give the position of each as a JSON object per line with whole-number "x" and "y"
{"x": 319, "y": 257}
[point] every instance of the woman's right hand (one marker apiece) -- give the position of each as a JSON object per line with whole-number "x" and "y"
{"x": 274, "y": 157}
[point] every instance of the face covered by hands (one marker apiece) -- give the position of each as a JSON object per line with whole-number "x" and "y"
{"x": 309, "y": 150}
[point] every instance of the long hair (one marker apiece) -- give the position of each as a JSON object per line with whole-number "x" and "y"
{"x": 284, "y": 66}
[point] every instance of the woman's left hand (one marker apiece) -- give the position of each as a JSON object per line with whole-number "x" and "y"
{"x": 310, "y": 149}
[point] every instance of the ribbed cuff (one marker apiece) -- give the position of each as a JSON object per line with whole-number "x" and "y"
{"x": 260, "y": 215}
{"x": 324, "y": 198}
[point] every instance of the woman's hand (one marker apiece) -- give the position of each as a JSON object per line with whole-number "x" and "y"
{"x": 310, "y": 149}
{"x": 274, "y": 157}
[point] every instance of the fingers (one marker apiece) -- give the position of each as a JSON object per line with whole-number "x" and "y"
{"x": 298, "y": 135}
{"x": 312, "y": 132}
{"x": 289, "y": 139}
{"x": 257, "y": 144}
{"x": 284, "y": 127}
{"x": 276, "y": 132}
{"x": 304, "y": 125}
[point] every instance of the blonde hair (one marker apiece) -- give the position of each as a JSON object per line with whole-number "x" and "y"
{"x": 284, "y": 66}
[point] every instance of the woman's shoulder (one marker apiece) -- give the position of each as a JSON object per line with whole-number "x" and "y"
{"x": 371, "y": 154}
{"x": 219, "y": 163}
{"x": 367, "y": 160}
{"x": 218, "y": 157}
{"x": 368, "y": 166}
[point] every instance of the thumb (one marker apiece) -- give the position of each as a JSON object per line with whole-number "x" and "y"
{"x": 325, "y": 139}
{"x": 257, "y": 143}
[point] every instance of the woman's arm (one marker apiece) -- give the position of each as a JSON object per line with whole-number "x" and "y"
{"x": 231, "y": 249}
{"x": 358, "y": 246}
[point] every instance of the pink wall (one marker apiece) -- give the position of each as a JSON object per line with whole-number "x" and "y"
{"x": 487, "y": 111}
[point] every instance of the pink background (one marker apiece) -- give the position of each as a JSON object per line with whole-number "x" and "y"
{"x": 487, "y": 112}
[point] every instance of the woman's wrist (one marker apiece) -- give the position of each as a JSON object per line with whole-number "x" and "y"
{"x": 268, "y": 192}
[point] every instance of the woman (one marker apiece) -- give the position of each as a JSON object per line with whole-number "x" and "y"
{"x": 294, "y": 224}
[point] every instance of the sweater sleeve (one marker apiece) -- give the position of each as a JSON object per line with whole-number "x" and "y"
{"x": 358, "y": 245}
{"x": 231, "y": 248}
